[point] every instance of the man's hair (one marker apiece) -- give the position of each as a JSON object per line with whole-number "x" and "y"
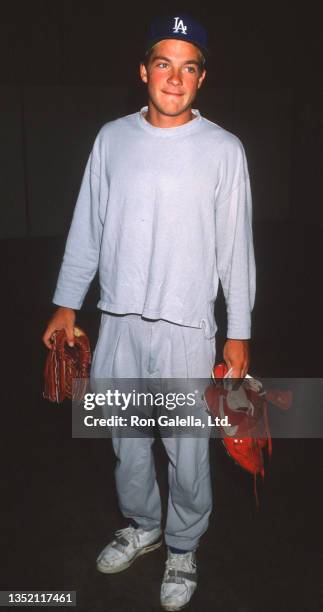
{"x": 202, "y": 60}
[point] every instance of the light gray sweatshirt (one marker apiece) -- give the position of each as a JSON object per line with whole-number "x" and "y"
{"x": 164, "y": 213}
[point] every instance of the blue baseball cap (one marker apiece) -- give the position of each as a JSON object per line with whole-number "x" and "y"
{"x": 179, "y": 26}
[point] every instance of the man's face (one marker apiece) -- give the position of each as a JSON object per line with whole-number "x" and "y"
{"x": 173, "y": 76}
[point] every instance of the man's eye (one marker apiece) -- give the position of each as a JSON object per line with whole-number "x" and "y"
{"x": 191, "y": 69}
{"x": 162, "y": 64}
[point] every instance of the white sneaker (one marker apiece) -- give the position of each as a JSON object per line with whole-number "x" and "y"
{"x": 128, "y": 544}
{"x": 180, "y": 580}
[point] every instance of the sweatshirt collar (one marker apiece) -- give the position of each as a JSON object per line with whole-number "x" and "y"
{"x": 180, "y": 130}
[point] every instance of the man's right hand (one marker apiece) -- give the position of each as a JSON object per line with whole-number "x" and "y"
{"x": 63, "y": 318}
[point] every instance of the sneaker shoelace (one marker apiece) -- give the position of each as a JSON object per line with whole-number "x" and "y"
{"x": 123, "y": 537}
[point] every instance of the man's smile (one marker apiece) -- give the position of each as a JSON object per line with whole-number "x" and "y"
{"x": 170, "y": 93}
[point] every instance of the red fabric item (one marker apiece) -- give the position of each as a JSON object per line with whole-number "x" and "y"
{"x": 65, "y": 363}
{"x": 248, "y": 435}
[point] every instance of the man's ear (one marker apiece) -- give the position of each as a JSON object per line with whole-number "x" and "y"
{"x": 201, "y": 79}
{"x": 143, "y": 73}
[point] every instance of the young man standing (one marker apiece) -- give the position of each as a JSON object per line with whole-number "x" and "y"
{"x": 164, "y": 212}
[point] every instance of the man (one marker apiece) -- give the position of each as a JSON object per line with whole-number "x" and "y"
{"x": 164, "y": 211}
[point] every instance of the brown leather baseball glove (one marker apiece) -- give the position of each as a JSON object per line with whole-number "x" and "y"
{"x": 65, "y": 363}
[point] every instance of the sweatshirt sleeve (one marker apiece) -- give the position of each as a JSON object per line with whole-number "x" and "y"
{"x": 235, "y": 257}
{"x": 81, "y": 256}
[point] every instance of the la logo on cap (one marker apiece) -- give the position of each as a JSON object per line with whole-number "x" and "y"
{"x": 179, "y": 26}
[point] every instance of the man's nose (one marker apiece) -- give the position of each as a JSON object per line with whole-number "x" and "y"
{"x": 175, "y": 77}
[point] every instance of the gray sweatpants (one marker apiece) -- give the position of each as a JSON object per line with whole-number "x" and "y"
{"x": 132, "y": 347}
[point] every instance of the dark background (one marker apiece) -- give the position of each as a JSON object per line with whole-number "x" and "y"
{"x": 66, "y": 68}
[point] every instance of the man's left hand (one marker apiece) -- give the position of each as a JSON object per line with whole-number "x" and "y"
{"x": 236, "y": 356}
